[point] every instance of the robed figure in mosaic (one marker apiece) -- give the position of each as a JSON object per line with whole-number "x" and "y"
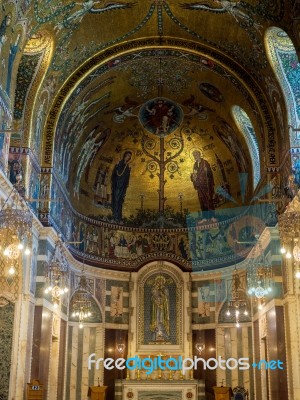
{"x": 203, "y": 181}
{"x": 160, "y": 318}
{"x": 119, "y": 183}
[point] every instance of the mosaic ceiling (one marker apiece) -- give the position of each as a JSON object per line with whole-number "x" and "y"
{"x": 128, "y": 96}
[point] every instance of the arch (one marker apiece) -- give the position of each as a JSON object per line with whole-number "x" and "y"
{"x": 284, "y": 61}
{"x": 154, "y": 266}
{"x": 32, "y": 69}
{"x": 244, "y": 123}
{"x": 172, "y": 279}
{"x": 105, "y": 60}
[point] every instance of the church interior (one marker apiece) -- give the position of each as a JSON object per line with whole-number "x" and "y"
{"x": 149, "y": 199}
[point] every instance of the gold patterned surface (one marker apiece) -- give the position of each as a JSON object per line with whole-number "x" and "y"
{"x": 106, "y": 62}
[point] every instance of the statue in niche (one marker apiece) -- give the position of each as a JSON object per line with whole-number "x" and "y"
{"x": 160, "y": 316}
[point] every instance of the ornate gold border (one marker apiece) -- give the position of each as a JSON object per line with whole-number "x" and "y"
{"x": 173, "y": 271}
{"x": 42, "y": 43}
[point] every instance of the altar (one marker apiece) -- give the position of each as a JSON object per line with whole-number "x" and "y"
{"x": 157, "y": 345}
{"x": 159, "y": 389}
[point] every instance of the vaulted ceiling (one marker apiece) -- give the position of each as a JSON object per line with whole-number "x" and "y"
{"x": 159, "y": 79}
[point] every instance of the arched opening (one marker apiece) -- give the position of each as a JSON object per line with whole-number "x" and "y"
{"x": 244, "y": 123}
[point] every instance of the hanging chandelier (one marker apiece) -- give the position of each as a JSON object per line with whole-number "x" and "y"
{"x": 15, "y": 229}
{"x": 237, "y": 307}
{"x": 259, "y": 274}
{"x": 81, "y": 304}
{"x": 200, "y": 347}
{"x": 120, "y": 348}
{"x": 57, "y": 274}
{"x": 289, "y": 231}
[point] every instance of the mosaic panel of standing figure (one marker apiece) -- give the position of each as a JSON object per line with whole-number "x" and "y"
{"x": 34, "y": 186}
{"x": 116, "y": 301}
{"x": 4, "y": 150}
{"x": 101, "y": 184}
{"x": 204, "y": 302}
{"x": 183, "y": 247}
{"x": 37, "y": 129}
{"x": 119, "y": 182}
{"x": 160, "y": 310}
{"x": 87, "y": 153}
{"x": 226, "y": 133}
{"x": 11, "y": 33}
{"x": 203, "y": 181}
{"x": 78, "y": 237}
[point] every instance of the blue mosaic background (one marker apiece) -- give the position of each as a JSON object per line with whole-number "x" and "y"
{"x": 228, "y": 239}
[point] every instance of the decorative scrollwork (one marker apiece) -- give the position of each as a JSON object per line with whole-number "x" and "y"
{"x": 186, "y": 130}
{"x": 172, "y": 167}
{"x": 150, "y": 144}
{"x": 152, "y": 166}
{"x": 175, "y": 143}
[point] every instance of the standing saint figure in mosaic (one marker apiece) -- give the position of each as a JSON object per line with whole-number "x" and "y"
{"x": 203, "y": 181}
{"x": 119, "y": 183}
